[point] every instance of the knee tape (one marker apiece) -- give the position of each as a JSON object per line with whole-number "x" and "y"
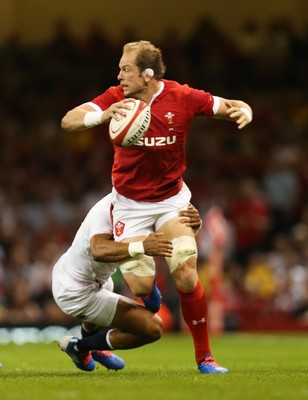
{"x": 141, "y": 265}
{"x": 183, "y": 248}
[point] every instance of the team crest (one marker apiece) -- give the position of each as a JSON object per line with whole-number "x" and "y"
{"x": 169, "y": 117}
{"x": 119, "y": 228}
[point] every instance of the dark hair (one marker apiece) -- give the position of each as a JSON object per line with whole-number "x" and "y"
{"x": 148, "y": 56}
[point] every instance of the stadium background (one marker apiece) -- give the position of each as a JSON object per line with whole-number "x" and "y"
{"x": 55, "y": 57}
{"x": 35, "y": 18}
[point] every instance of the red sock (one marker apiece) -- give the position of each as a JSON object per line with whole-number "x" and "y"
{"x": 194, "y": 309}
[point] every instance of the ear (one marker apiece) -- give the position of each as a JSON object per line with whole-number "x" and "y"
{"x": 149, "y": 72}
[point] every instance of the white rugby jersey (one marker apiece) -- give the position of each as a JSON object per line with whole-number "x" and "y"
{"x": 79, "y": 262}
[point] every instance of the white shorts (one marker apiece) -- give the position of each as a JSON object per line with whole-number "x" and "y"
{"x": 87, "y": 301}
{"x": 134, "y": 218}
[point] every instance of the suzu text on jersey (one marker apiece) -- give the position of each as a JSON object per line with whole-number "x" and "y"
{"x": 156, "y": 141}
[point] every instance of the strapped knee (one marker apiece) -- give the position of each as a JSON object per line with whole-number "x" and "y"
{"x": 141, "y": 266}
{"x": 184, "y": 247}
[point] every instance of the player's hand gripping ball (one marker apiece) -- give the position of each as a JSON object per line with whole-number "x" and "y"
{"x": 129, "y": 129}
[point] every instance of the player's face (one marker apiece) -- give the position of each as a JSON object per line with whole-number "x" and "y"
{"x": 130, "y": 78}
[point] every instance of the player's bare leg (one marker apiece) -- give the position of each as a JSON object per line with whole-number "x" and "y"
{"x": 146, "y": 288}
{"x": 132, "y": 326}
{"x": 139, "y": 285}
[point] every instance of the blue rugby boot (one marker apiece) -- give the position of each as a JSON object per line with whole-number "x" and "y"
{"x": 153, "y": 301}
{"x": 209, "y": 366}
{"x": 82, "y": 360}
{"x": 108, "y": 360}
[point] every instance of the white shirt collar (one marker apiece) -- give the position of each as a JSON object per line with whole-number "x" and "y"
{"x": 161, "y": 88}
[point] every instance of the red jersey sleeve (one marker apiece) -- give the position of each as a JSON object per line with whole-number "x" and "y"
{"x": 198, "y": 102}
{"x": 110, "y": 96}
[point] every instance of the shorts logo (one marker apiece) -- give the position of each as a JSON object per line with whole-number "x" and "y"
{"x": 119, "y": 228}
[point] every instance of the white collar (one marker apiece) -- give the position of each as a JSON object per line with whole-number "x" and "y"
{"x": 161, "y": 88}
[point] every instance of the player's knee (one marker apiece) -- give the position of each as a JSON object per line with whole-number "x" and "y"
{"x": 154, "y": 329}
{"x": 139, "y": 274}
{"x": 142, "y": 265}
{"x": 184, "y": 249}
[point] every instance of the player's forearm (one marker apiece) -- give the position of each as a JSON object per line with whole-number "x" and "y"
{"x": 234, "y": 110}
{"x": 109, "y": 251}
{"x": 74, "y": 120}
{"x": 82, "y": 117}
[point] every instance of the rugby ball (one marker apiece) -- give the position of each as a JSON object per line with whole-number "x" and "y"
{"x": 129, "y": 129}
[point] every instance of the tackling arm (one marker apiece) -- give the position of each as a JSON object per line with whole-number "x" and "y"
{"x": 104, "y": 249}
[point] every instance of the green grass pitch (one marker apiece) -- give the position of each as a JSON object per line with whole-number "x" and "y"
{"x": 268, "y": 366}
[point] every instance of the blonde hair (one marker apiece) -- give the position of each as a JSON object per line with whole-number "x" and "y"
{"x": 147, "y": 56}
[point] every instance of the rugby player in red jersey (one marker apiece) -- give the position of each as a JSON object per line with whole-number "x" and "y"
{"x": 147, "y": 177}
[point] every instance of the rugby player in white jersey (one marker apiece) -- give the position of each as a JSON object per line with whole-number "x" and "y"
{"x": 82, "y": 287}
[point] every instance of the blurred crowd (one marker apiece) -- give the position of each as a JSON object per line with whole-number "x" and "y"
{"x": 257, "y": 180}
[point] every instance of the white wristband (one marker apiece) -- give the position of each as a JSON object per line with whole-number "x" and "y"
{"x": 135, "y": 249}
{"x": 247, "y": 113}
{"x": 92, "y": 118}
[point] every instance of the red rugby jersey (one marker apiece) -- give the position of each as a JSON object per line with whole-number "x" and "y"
{"x": 151, "y": 169}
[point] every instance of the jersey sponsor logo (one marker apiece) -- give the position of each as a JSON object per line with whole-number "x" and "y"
{"x": 156, "y": 141}
{"x": 119, "y": 228}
